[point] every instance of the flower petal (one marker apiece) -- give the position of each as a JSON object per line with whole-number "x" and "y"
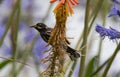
{"x": 114, "y": 12}
{"x": 52, "y": 1}
{"x": 58, "y": 5}
{"x": 76, "y": 1}
{"x": 111, "y": 33}
{"x": 71, "y": 10}
{"x": 72, "y": 2}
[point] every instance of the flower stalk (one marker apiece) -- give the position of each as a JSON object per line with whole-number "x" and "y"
{"x": 57, "y": 40}
{"x": 85, "y": 34}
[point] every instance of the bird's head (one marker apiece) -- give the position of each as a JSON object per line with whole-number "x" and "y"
{"x": 39, "y": 27}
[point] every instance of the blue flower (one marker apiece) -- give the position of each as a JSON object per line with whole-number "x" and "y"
{"x": 102, "y": 31}
{"x": 114, "y": 11}
{"x": 111, "y": 33}
{"x": 116, "y": 1}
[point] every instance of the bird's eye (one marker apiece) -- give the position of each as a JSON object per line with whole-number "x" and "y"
{"x": 39, "y": 23}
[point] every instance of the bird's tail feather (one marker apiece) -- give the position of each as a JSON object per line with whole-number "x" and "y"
{"x": 74, "y": 56}
{"x": 73, "y": 53}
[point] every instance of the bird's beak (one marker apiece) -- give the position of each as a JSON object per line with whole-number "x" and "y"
{"x": 33, "y": 26}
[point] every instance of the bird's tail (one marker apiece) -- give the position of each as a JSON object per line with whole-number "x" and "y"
{"x": 73, "y": 54}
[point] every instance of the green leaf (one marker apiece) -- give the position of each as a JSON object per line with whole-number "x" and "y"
{"x": 118, "y": 74}
{"x": 4, "y": 63}
{"x": 9, "y": 23}
{"x": 91, "y": 66}
{"x": 1, "y": 1}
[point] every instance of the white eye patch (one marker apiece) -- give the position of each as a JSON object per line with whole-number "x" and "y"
{"x": 39, "y": 27}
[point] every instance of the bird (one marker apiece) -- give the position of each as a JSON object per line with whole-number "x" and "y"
{"x": 45, "y": 32}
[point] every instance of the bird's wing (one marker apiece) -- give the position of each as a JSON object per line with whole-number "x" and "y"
{"x": 48, "y": 32}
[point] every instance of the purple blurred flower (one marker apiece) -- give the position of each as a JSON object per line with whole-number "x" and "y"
{"x": 111, "y": 33}
{"x": 116, "y": 1}
{"x": 22, "y": 26}
{"x": 7, "y": 50}
{"x": 114, "y": 12}
{"x": 26, "y": 4}
{"x": 39, "y": 48}
{"x": 7, "y": 3}
{"x": 30, "y": 34}
{"x": 2, "y": 29}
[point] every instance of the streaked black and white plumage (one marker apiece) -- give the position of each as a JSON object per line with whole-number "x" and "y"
{"x": 45, "y": 32}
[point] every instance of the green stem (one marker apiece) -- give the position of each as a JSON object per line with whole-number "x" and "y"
{"x": 82, "y": 65}
{"x": 100, "y": 67}
{"x": 9, "y": 23}
{"x": 47, "y": 13}
{"x": 27, "y": 53}
{"x": 71, "y": 72}
{"x": 94, "y": 17}
{"x": 104, "y": 20}
{"x": 35, "y": 59}
{"x": 14, "y": 35}
{"x": 111, "y": 61}
{"x": 99, "y": 4}
{"x": 99, "y": 51}
{"x": 74, "y": 63}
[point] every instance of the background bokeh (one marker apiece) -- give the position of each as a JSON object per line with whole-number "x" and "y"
{"x": 29, "y": 47}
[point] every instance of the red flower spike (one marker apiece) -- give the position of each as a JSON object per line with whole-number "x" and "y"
{"x": 71, "y": 10}
{"x": 62, "y": 1}
{"x": 58, "y": 5}
{"x": 72, "y": 2}
{"x": 52, "y": 1}
{"x": 76, "y": 1}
